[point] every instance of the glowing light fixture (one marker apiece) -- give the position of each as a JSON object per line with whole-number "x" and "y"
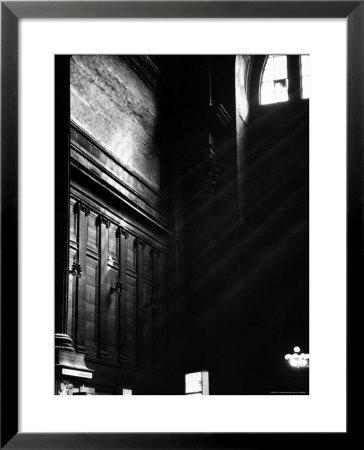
{"x": 298, "y": 360}
{"x": 197, "y": 383}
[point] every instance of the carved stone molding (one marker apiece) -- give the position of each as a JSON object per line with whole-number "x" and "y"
{"x": 129, "y": 188}
{"x": 103, "y": 220}
{"x": 139, "y": 241}
{"x": 76, "y": 269}
{"x": 124, "y": 232}
{"x": 70, "y": 368}
{"x": 63, "y": 342}
{"x": 80, "y": 207}
{"x": 118, "y": 288}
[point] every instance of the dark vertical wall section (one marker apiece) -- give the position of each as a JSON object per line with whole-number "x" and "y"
{"x": 294, "y": 86}
{"x": 190, "y": 105}
{"x": 274, "y": 237}
{"x": 240, "y": 196}
{"x": 226, "y": 271}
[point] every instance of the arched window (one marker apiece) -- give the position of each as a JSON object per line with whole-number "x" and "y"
{"x": 305, "y": 76}
{"x": 274, "y": 81}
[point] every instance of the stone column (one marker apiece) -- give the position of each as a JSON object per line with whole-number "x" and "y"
{"x": 104, "y": 296}
{"x": 71, "y": 369}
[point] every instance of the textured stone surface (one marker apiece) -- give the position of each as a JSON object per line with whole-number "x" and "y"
{"x": 112, "y": 104}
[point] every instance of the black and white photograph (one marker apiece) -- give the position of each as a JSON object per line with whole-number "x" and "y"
{"x": 186, "y": 235}
{"x": 181, "y": 216}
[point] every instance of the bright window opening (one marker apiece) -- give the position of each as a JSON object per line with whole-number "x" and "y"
{"x": 274, "y": 82}
{"x": 305, "y": 76}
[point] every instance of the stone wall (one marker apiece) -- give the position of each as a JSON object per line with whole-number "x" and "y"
{"x": 119, "y": 110}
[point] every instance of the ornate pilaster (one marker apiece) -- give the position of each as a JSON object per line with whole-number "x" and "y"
{"x": 139, "y": 242}
{"x": 123, "y": 232}
{"x": 80, "y": 207}
{"x": 76, "y": 269}
{"x": 155, "y": 313}
{"x": 81, "y": 281}
{"x": 140, "y": 347}
{"x": 122, "y": 333}
{"x": 103, "y": 220}
{"x": 104, "y": 292}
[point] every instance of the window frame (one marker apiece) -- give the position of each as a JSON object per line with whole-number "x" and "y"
{"x": 301, "y": 77}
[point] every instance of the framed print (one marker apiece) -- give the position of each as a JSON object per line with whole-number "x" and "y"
{"x": 176, "y": 193}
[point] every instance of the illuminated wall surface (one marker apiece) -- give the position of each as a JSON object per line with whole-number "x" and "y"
{"x": 118, "y": 110}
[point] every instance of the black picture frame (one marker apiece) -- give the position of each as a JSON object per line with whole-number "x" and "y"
{"x": 11, "y": 12}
